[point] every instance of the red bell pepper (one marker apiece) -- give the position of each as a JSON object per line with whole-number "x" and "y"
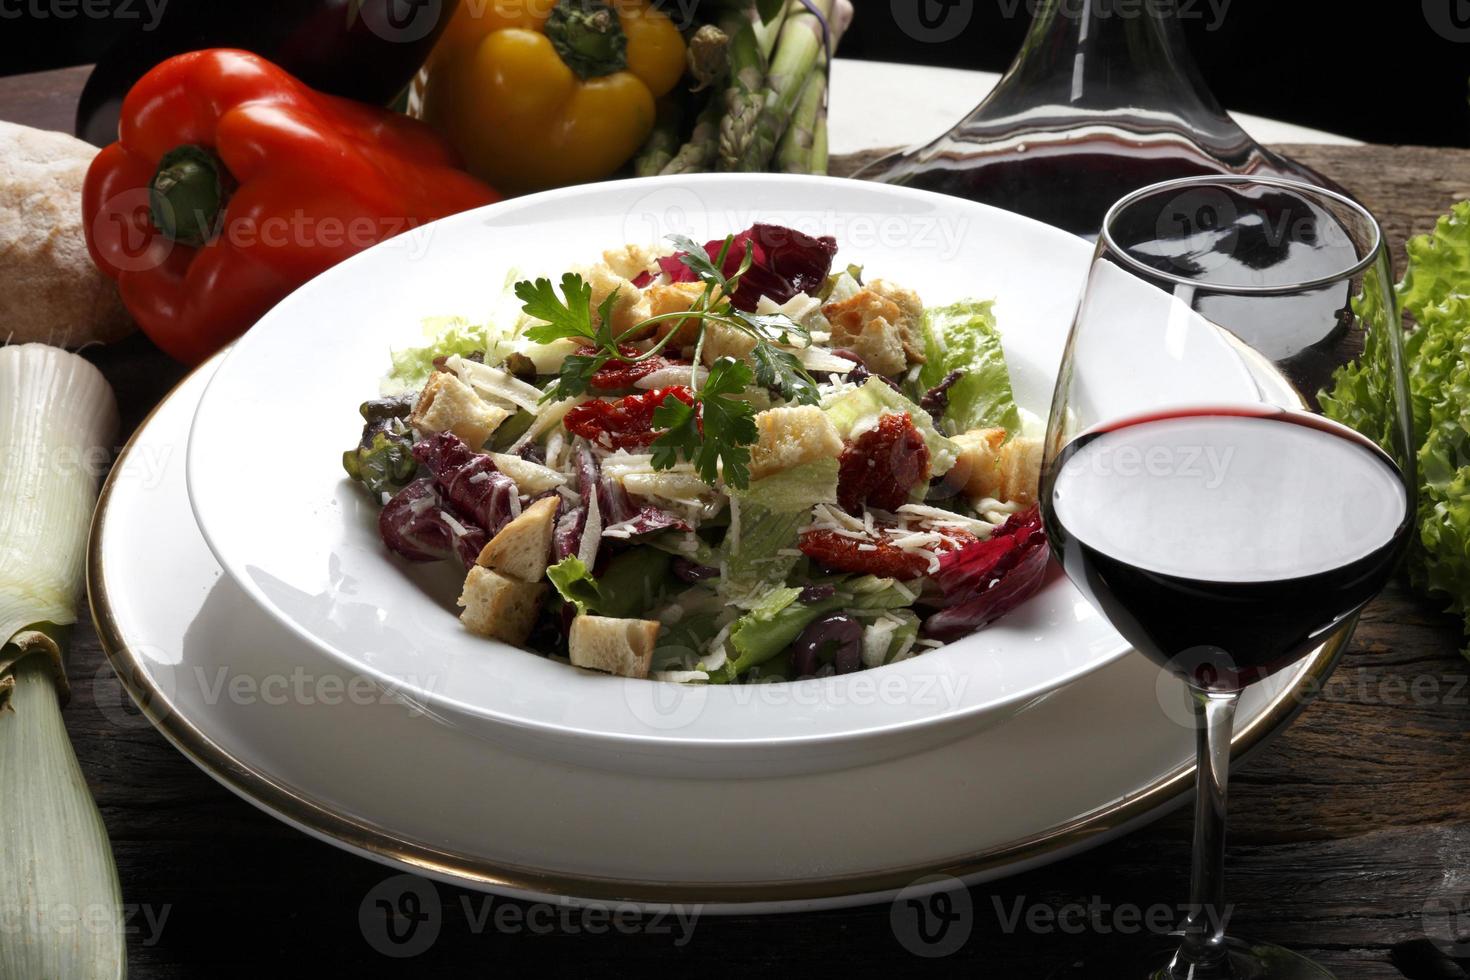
{"x": 232, "y": 183}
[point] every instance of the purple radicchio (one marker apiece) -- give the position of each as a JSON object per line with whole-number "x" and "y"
{"x": 784, "y": 262}
{"x": 469, "y": 480}
{"x": 416, "y": 525}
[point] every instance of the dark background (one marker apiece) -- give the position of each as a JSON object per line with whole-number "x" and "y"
{"x": 1391, "y": 71}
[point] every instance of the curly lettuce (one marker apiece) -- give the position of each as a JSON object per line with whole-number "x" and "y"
{"x": 1435, "y": 291}
{"x": 447, "y": 336}
{"x": 963, "y": 337}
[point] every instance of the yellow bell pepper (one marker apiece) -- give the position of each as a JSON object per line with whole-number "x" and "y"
{"x": 544, "y": 93}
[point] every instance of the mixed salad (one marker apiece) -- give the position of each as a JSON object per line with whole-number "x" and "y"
{"x": 714, "y": 463}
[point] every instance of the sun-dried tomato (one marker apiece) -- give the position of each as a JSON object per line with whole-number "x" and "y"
{"x": 616, "y": 375}
{"x": 627, "y": 423}
{"x": 875, "y": 555}
{"x": 880, "y": 467}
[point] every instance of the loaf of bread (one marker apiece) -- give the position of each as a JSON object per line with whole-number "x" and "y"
{"x": 49, "y": 289}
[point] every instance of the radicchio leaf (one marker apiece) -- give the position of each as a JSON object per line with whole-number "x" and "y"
{"x": 475, "y": 489}
{"x": 413, "y": 524}
{"x": 785, "y": 262}
{"x": 617, "y": 508}
{"x": 986, "y": 579}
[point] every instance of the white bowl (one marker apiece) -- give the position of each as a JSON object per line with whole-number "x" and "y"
{"x": 267, "y": 487}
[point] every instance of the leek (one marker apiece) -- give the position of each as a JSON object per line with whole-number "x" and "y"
{"x": 59, "y": 892}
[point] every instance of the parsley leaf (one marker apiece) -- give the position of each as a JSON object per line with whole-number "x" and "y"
{"x": 780, "y": 371}
{"x": 572, "y": 318}
{"x": 728, "y": 427}
{"x": 575, "y": 377}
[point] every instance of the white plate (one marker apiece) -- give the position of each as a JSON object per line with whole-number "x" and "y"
{"x": 329, "y": 752}
{"x": 267, "y": 487}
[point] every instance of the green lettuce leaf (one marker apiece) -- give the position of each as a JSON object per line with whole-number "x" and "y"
{"x": 632, "y": 583}
{"x": 449, "y": 336}
{"x": 772, "y": 510}
{"x": 963, "y": 337}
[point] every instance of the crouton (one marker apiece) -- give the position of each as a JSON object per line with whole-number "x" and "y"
{"x": 500, "y": 608}
{"x": 521, "y": 548}
{"x": 676, "y": 297}
{"x": 722, "y": 341}
{"x": 630, "y": 308}
{"x": 1020, "y": 471}
{"x": 988, "y": 466}
{"x": 882, "y": 331}
{"x": 790, "y": 437}
{"x": 615, "y": 646}
{"x": 976, "y": 469}
{"x": 447, "y": 404}
{"x": 912, "y": 307}
{"x": 631, "y": 261}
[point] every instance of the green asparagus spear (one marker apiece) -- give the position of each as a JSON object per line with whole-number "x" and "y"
{"x": 798, "y": 51}
{"x": 796, "y": 153}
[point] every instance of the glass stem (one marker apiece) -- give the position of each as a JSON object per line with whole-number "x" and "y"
{"x": 1202, "y": 955}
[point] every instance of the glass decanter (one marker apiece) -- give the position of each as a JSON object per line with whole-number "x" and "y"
{"x": 1103, "y": 99}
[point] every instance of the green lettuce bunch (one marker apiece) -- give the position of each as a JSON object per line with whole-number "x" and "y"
{"x": 1435, "y": 291}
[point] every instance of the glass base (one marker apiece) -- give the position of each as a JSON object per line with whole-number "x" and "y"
{"x": 1248, "y": 961}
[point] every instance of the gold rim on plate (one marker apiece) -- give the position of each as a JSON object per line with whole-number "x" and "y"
{"x": 299, "y": 808}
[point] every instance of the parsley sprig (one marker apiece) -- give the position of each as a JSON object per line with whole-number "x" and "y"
{"x": 715, "y": 433}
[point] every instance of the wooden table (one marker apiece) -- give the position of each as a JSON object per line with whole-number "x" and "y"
{"x": 1343, "y": 829}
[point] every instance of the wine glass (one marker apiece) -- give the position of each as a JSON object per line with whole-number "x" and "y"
{"x": 1195, "y": 487}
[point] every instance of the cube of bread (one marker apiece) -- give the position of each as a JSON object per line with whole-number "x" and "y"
{"x": 880, "y": 330}
{"x": 722, "y": 341}
{"x": 976, "y": 468}
{"x": 630, "y": 261}
{"x": 1020, "y": 471}
{"x": 790, "y": 437}
{"x": 522, "y": 548}
{"x": 498, "y": 607}
{"x": 988, "y": 466}
{"x": 912, "y": 319}
{"x": 631, "y": 306}
{"x": 675, "y": 297}
{"x": 615, "y": 646}
{"x": 447, "y": 404}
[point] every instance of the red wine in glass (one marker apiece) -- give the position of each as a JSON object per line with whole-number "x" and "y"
{"x": 1225, "y": 544}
